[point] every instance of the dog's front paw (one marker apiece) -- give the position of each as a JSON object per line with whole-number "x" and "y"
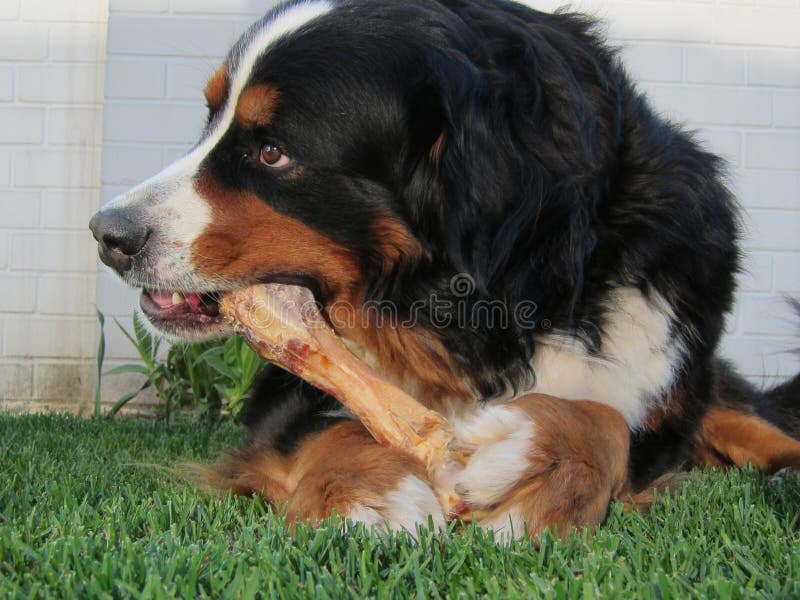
{"x": 499, "y": 442}
{"x": 541, "y": 462}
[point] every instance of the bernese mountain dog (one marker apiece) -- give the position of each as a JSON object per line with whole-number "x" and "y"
{"x": 495, "y": 219}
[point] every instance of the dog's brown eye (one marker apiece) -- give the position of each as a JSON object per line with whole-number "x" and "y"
{"x": 273, "y": 157}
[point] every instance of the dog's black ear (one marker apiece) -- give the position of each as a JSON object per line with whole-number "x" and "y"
{"x": 428, "y": 134}
{"x": 510, "y": 158}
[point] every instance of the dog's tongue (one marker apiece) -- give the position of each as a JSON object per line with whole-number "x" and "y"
{"x": 169, "y": 299}
{"x": 194, "y": 301}
{"x": 163, "y": 299}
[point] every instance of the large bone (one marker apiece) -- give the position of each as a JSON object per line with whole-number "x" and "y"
{"x": 284, "y": 326}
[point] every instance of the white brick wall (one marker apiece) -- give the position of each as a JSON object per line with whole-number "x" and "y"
{"x": 52, "y": 59}
{"x": 730, "y": 68}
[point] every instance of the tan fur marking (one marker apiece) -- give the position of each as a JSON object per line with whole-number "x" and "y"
{"x": 256, "y": 106}
{"x": 248, "y": 240}
{"x": 728, "y": 436}
{"x": 333, "y": 471}
{"x": 673, "y": 406}
{"x": 578, "y": 464}
{"x": 215, "y": 88}
{"x": 438, "y": 148}
{"x": 396, "y": 241}
{"x": 411, "y": 357}
{"x": 417, "y": 357}
{"x": 249, "y": 471}
{"x": 344, "y": 467}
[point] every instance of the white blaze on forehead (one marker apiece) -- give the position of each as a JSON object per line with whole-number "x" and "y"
{"x": 176, "y": 178}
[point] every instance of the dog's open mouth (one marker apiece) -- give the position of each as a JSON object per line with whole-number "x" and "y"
{"x": 183, "y": 314}
{"x": 180, "y": 306}
{"x": 192, "y": 317}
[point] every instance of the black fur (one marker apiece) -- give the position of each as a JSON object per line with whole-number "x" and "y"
{"x": 781, "y": 406}
{"x": 557, "y": 182}
{"x": 284, "y": 409}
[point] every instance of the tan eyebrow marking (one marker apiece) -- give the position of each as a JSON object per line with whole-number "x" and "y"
{"x": 438, "y": 148}
{"x": 215, "y": 88}
{"x": 256, "y": 106}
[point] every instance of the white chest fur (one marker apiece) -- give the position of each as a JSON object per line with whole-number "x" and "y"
{"x": 640, "y": 355}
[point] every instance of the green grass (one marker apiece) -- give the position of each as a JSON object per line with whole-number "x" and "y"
{"x": 80, "y": 518}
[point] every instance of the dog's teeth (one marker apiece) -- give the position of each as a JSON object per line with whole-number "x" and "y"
{"x": 178, "y": 299}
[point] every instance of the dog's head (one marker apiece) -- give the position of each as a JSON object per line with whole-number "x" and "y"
{"x": 375, "y": 149}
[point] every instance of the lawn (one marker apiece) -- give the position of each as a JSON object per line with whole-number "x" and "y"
{"x": 83, "y": 515}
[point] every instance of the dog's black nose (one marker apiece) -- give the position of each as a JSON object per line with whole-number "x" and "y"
{"x": 119, "y": 238}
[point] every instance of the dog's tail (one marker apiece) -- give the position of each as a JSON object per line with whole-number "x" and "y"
{"x": 746, "y": 425}
{"x": 779, "y": 406}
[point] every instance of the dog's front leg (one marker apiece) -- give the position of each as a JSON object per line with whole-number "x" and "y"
{"x": 541, "y": 462}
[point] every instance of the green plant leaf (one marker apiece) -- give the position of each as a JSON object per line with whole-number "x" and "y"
{"x": 145, "y": 339}
{"x": 251, "y": 364}
{"x": 101, "y": 354}
{"x": 221, "y": 367}
{"x": 226, "y": 391}
{"x": 215, "y": 351}
{"x": 141, "y": 350}
{"x": 127, "y": 398}
{"x": 131, "y": 368}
